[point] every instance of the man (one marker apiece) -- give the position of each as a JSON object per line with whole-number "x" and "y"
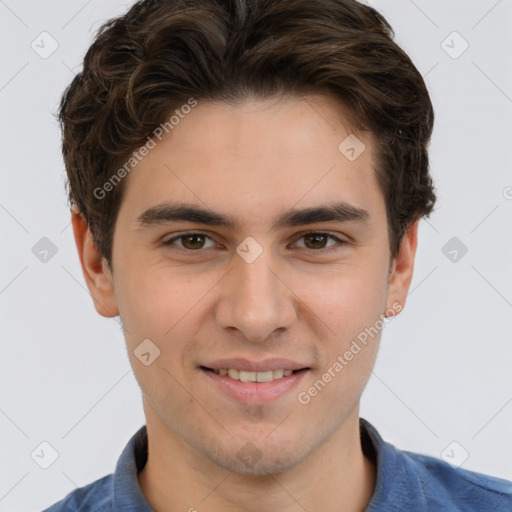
{"x": 246, "y": 180}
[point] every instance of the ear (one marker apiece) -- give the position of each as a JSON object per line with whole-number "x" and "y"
{"x": 402, "y": 269}
{"x": 97, "y": 274}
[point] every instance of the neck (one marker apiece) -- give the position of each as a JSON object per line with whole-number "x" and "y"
{"x": 337, "y": 476}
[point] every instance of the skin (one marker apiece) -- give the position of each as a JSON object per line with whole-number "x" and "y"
{"x": 253, "y": 160}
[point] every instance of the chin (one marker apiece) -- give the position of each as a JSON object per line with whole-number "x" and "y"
{"x": 269, "y": 460}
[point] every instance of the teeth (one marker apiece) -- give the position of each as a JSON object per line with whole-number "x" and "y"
{"x": 234, "y": 374}
{"x": 277, "y": 374}
{"x": 265, "y": 376}
{"x": 247, "y": 376}
{"x": 244, "y": 376}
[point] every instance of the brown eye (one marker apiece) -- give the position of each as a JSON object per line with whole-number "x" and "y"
{"x": 315, "y": 240}
{"x": 193, "y": 241}
{"x": 320, "y": 241}
{"x": 190, "y": 241}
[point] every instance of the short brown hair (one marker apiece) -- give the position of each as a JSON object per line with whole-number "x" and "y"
{"x": 146, "y": 63}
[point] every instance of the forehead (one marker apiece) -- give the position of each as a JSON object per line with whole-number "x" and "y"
{"x": 257, "y": 154}
{"x": 264, "y": 128}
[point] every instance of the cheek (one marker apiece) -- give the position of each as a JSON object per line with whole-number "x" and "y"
{"x": 352, "y": 320}
{"x": 348, "y": 299}
{"x": 162, "y": 304}
{"x": 349, "y": 309}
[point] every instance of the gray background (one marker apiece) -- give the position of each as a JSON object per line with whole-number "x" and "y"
{"x": 444, "y": 372}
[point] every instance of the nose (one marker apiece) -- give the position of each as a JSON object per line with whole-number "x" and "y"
{"x": 256, "y": 300}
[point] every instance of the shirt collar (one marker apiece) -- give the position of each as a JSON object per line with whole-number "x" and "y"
{"x": 128, "y": 495}
{"x": 384, "y": 456}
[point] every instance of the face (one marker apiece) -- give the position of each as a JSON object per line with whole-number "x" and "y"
{"x": 284, "y": 269}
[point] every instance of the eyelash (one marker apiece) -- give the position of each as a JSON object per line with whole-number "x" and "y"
{"x": 171, "y": 241}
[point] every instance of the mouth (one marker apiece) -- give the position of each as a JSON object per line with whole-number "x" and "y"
{"x": 254, "y": 383}
{"x": 250, "y": 376}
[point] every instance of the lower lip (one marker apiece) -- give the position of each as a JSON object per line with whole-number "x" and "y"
{"x": 255, "y": 393}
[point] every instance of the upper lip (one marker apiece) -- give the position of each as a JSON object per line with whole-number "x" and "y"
{"x": 243, "y": 364}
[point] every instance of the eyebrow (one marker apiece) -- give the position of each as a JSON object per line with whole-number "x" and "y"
{"x": 179, "y": 212}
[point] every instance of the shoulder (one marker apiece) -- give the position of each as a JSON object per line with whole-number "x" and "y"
{"x": 414, "y": 481}
{"x": 119, "y": 491}
{"x": 457, "y": 488}
{"x": 96, "y": 496}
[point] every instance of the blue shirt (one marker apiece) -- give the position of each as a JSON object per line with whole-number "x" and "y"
{"x": 406, "y": 482}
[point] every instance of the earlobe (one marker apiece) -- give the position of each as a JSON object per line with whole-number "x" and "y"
{"x": 402, "y": 270}
{"x": 96, "y": 271}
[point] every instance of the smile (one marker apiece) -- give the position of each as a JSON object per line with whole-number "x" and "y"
{"x": 254, "y": 387}
{"x": 245, "y": 376}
